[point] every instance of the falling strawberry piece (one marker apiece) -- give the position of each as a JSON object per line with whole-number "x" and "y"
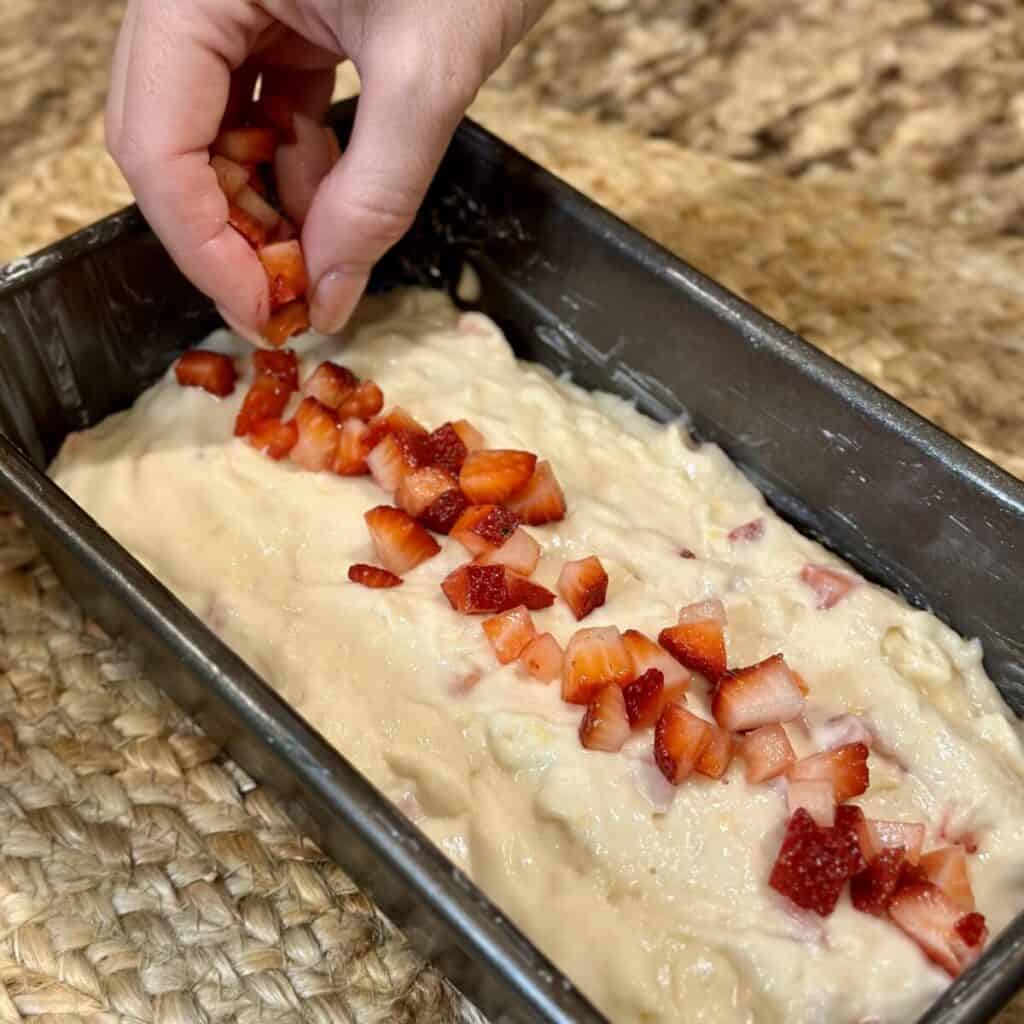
{"x": 698, "y": 639}
{"x": 276, "y": 112}
{"x": 524, "y": 591}
{"x": 605, "y": 725}
{"x": 446, "y": 449}
{"x": 483, "y": 528}
{"x": 350, "y": 459}
{"x": 646, "y": 654}
{"x": 211, "y": 371}
{"x": 364, "y": 403}
{"x": 766, "y": 753}
{"x": 829, "y": 585}
{"x": 373, "y": 576}
{"x": 472, "y": 589}
{"x": 330, "y": 384}
{"x": 754, "y": 530}
{"x": 231, "y": 177}
{"x": 420, "y": 488}
{"x": 541, "y": 500}
{"x": 318, "y": 430}
{"x": 469, "y": 435}
{"x": 944, "y": 933}
{"x": 274, "y": 438}
{"x": 491, "y": 477}
{"x": 443, "y": 512}
{"x": 509, "y": 633}
{"x": 845, "y": 767}
{"x": 583, "y": 585}
{"x": 872, "y": 889}
{"x": 520, "y": 552}
{"x": 593, "y": 659}
{"x": 815, "y": 796}
{"x": 947, "y": 868}
{"x": 542, "y": 658}
{"x": 400, "y": 542}
{"x": 876, "y": 836}
{"x": 679, "y": 740}
{"x": 286, "y": 272}
{"x": 761, "y": 694}
{"x": 286, "y": 322}
{"x": 246, "y": 145}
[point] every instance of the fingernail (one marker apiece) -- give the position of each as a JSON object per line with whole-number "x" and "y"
{"x": 334, "y": 299}
{"x": 247, "y": 333}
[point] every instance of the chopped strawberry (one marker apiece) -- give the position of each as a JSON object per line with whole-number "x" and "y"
{"x": 829, "y": 585}
{"x": 469, "y": 435}
{"x": 872, "y": 889}
{"x": 647, "y": 654}
{"x": 249, "y": 200}
{"x": 246, "y": 145}
{"x": 524, "y": 591}
{"x": 520, "y": 552}
{"x": 845, "y": 767}
{"x": 211, "y": 371}
{"x": 761, "y": 694}
{"x": 876, "y": 836}
{"x": 483, "y": 528}
{"x": 947, "y": 868}
{"x": 318, "y": 436}
{"x": 281, "y": 364}
{"x": 400, "y": 422}
{"x": 698, "y": 639}
{"x": 447, "y": 450}
{"x": 393, "y": 459}
{"x": 419, "y": 488}
{"x": 542, "y": 658}
{"x": 350, "y": 459}
{"x": 583, "y": 585}
{"x": 266, "y": 399}
{"x": 945, "y": 934}
{"x": 444, "y": 511}
{"x": 284, "y": 232}
{"x": 717, "y": 755}
{"x": 330, "y": 383}
{"x": 509, "y": 633}
{"x": 286, "y": 322}
{"x": 594, "y": 658}
{"x": 472, "y": 589}
{"x": 815, "y": 796}
{"x": 274, "y": 438}
{"x": 286, "y": 272}
{"x": 679, "y": 740}
{"x": 248, "y": 226}
{"x": 541, "y": 500}
{"x": 364, "y": 403}
{"x": 754, "y": 530}
{"x": 604, "y": 725}
{"x": 373, "y": 576}
{"x": 491, "y": 477}
{"x": 400, "y": 542}
{"x": 766, "y": 753}
{"x": 846, "y": 835}
{"x": 647, "y": 695}
{"x": 276, "y": 112}
{"x": 231, "y": 177}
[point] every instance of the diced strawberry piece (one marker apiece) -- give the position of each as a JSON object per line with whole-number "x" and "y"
{"x": 762, "y": 694}
{"x": 520, "y": 552}
{"x": 211, "y": 371}
{"x": 400, "y": 422}
{"x": 845, "y": 767}
{"x": 509, "y": 633}
{"x": 282, "y": 365}
{"x": 248, "y": 226}
{"x": 249, "y": 200}
{"x": 491, "y": 477}
{"x": 931, "y": 919}
{"x": 594, "y": 658}
{"x": 318, "y": 436}
{"x": 754, "y": 530}
{"x": 373, "y": 576}
{"x": 829, "y": 585}
{"x": 583, "y": 585}
{"x": 717, "y": 755}
{"x": 645, "y": 699}
{"x": 876, "y": 836}
{"x": 483, "y": 528}
{"x": 815, "y": 796}
{"x": 364, "y": 403}
{"x": 400, "y": 542}
{"x": 350, "y": 459}
{"x": 604, "y": 725}
{"x": 947, "y": 868}
{"x": 246, "y": 145}
{"x": 541, "y": 500}
{"x": 330, "y": 384}
{"x": 286, "y": 322}
{"x": 542, "y": 658}
{"x": 266, "y": 399}
{"x": 231, "y": 177}
{"x": 419, "y": 488}
{"x": 446, "y": 449}
{"x": 469, "y": 435}
{"x": 444, "y": 511}
{"x": 393, "y": 459}
{"x": 472, "y": 589}
{"x": 698, "y": 639}
{"x": 872, "y": 889}
{"x": 647, "y": 654}
{"x": 766, "y": 753}
{"x": 286, "y": 271}
{"x": 679, "y": 740}
{"x": 274, "y": 438}
{"x": 276, "y": 112}
{"x": 849, "y": 820}
{"x": 284, "y": 232}
{"x": 524, "y": 591}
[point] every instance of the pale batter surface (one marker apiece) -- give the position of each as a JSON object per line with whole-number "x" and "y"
{"x": 653, "y": 899}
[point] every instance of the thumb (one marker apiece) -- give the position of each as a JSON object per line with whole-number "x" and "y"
{"x": 368, "y": 200}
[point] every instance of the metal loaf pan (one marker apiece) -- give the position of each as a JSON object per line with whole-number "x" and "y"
{"x": 88, "y": 323}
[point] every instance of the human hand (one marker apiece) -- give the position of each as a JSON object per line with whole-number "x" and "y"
{"x": 176, "y": 64}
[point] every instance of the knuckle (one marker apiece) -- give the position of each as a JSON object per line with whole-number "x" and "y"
{"x": 379, "y": 215}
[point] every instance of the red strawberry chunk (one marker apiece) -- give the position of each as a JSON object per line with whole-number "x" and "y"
{"x": 484, "y": 528}
{"x": 815, "y": 796}
{"x": 421, "y": 487}
{"x": 446, "y": 449}
{"x": 469, "y": 435}
{"x": 276, "y": 112}
{"x": 583, "y": 585}
{"x": 350, "y": 459}
{"x": 444, "y": 511}
{"x": 509, "y": 633}
{"x": 286, "y": 271}
{"x": 266, "y": 399}
{"x": 255, "y": 206}
{"x": 246, "y": 145}
{"x": 364, "y": 403}
{"x": 472, "y": 589}
{"x": 373, "y": 576}
{"x": 947, "y": 868}
{"x": 211, "y": 371}
{"x": 829, "y": 585}
{"x": 231, "y": 177}
{"x": 541, "y": 500}
{"x": 281, "y": 364}
{"x": 846, "y": 768}
{"x": 524, "y": 591}
{"x": 717, "y": 755}
{"x": 542, "y": 658}
{"x": 396, "y": 456}
{"x": 274, "y": 438}
{"x": 679, "y": 740}
{"x": 645, "y": 699}
{"x": 698, "y": 639}
{"x": 872, "y": 889}
{"x": 318, "y": 436}
{"x": 398, "y": 421}
{"x": 604, "y": 725}
{"x": 330, "y": 384}
{"x": 762, "y": 694}
{"x": 593, "y": 659}
{"x": 933, "y": 921}
{"x": 766, "y": 753}
{"x": 400, "y": 542}
{"x": 876, "y": 836}
{"x": 286, "y": 322}
{"x": 846, "y": 835}
{"x": 249, "y": 227}
{"x": 491, "y": 477}
{"x": 754, "y": 530}
{"x": 520, "y": 553}
{"x": 647, "y": 654}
